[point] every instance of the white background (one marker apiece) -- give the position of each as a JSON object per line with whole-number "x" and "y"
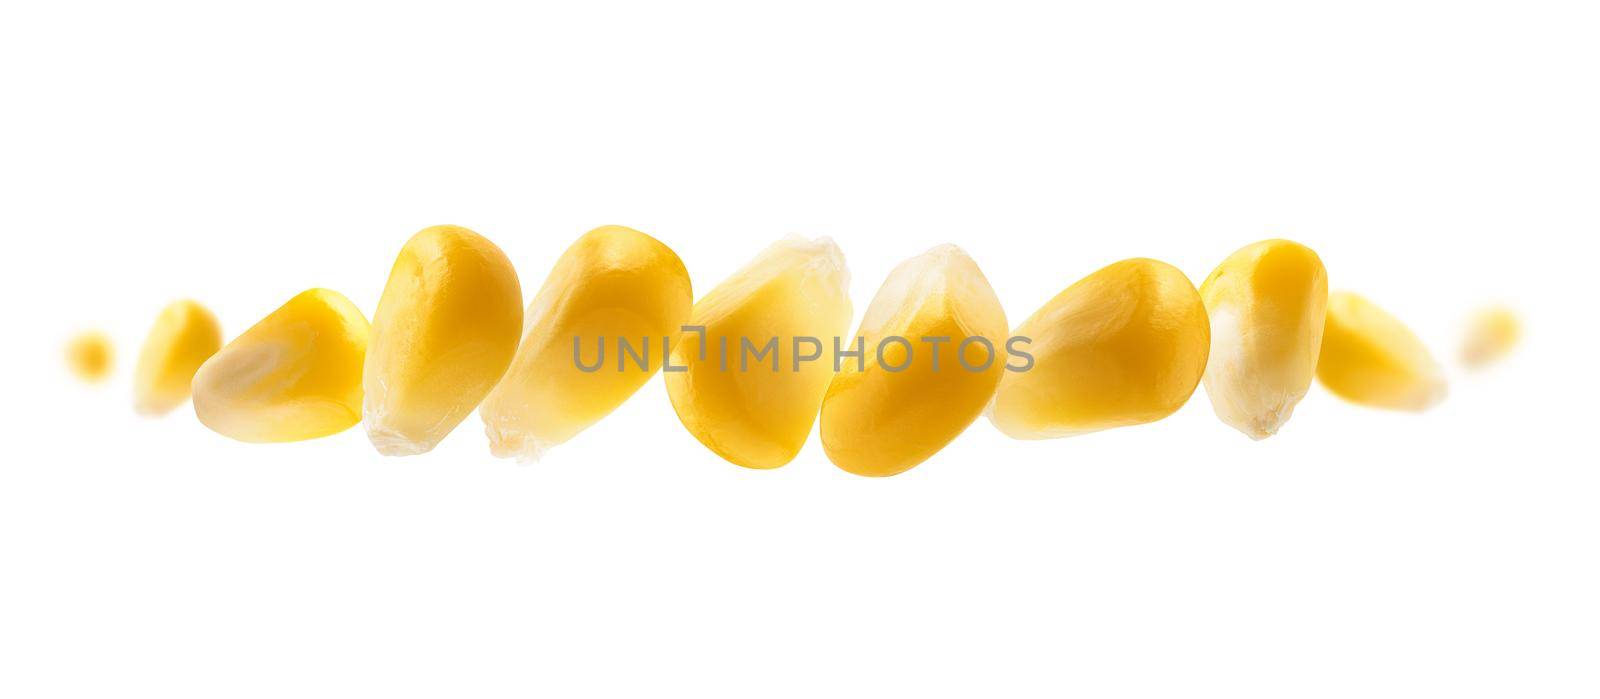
{"x": 1439, "y": 155}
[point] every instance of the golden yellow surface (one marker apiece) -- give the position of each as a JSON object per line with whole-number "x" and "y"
{"x": 184, "y": 336}
{"x": 294, "y": 375}
{"x": 877, "y": 422}
{"x": 1370, "y": 357}
{"x": 445, "y": 330}
{"x": 1492, "y": 334}
{"x": 1267, "y": 302}
{"x": 758, "y": 417}
{"x": 1123, "y": 346}
{"x": 614, "y": 282}
{"x": 89, "y": 356}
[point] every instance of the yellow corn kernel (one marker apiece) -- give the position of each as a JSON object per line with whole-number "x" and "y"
{"x": 89, "y": 356}
{"x": 614, "y": 284}
{"x": 295, "y": 375}
{"x": 878, "y": 422}
{"x": 185, "y": 335}
{"x": 757, "y": 412}
{"x": 444, "y": 332}
{"x": 1370, "y": 357}
{"x": 1267, "y": 302}
{"x": 1123, "y": 346}
{"x": 1491, "y": 335}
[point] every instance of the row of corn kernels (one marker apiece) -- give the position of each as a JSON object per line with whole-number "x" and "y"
{"x": 1125, "y": 345}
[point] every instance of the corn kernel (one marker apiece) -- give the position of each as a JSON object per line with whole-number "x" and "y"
{"x": 1370, "y": 357}
{"x": 1267, "y": 303}
{"x": 756, "y": 408}
{"x": 445, "y": 330}
{"x": 89, "y": 356}
{"x": 613, "y": 285}
{"x": 1123, "y": 346}
{"x": 185, "y": 335}
{"x": 880, "y": 418}
{"x": 1491, "y": 335}
{"x": 294, "y": 375}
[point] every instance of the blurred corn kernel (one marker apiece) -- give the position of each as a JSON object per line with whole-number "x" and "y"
{"x": 613, "y": 285}
{"x": 1371, "y": 358}
{"x": 294, "y": 375}
{"x": 1125, "y": 345}
{"x": 184, "y": 336}
{"x": 740, "y": 394}
{"x": 445, "y": 330}
{"x": 1492, "y": 334}
{"x": 89, "y": 356}
{"x": 1267, "y": 302}
{"x": 882, "y": 418}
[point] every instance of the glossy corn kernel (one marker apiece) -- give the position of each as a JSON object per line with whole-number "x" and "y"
{"x": 89, "y": 356}
{"x": 1123, "y": 346}
{"x": 1267, "y": 302}
{"x": 1492, "y": 333}
{"x": 758, "y": 412}
{"x": 880, "y": 418}
{"x": 613, "y": 285}
{"x": 444, "y": 332}
{"x": 295, "y": 375}
{"x": 185, "y": 335}
{"x": 1371, "y": 358}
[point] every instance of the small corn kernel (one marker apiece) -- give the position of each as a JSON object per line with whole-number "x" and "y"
{"x": 185, "y": 335}
{"x": 889, "y": 413}
{"x": 294, "y": 375}
{"x": 756, "y": 408}
{"x": 1492, "y": 333}
{"x": 1370, "y": 357}
{"x": 613, "y": 285}
{"x": 89, "y": 356}
{"x": 1267, "y": 302}
{"x": 445, "y": 330}
{"x": 1123, "y": 346}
